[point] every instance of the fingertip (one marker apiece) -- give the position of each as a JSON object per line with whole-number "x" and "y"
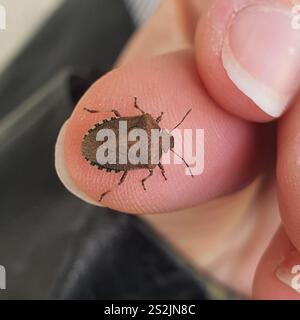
{"x": 62, "y": 171}
{"x": 288, "y": 173}
{"x": 249, "y": 69}
{"x": 274, "y": 277}
{"x": 167, "y": 83}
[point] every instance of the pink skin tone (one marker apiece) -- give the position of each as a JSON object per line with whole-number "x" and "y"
{"x": 196, "y": 74}
{"x": 256, "y": 86}
{"x": 274, "y": 273}
{"x": 176, "y": 75}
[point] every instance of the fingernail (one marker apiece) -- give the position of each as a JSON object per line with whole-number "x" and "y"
{"x": 261, "y": 55}
{"x": 288, "y": 271}
{"x": 62, "y": 170}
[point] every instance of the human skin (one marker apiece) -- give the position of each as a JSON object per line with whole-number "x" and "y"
{"x": 226, "y": 221}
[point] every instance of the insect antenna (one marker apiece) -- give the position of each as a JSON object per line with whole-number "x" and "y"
{"x": 183, "y": 161}
{"x": 181, "y": 120}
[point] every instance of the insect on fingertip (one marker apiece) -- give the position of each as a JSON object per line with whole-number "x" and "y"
{"x": 144, "y": 121}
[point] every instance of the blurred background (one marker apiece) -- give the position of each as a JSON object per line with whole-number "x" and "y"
{"x": 23, "y": 19}
{"x": 52, "y": 245}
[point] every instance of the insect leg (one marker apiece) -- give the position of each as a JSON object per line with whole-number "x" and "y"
{"x": 149, "y": 175}
{"x": 91, "y": 110}
{"x": 162, "y": 170}
{"x": 123, "y": 178}
{"x": 98, "y": 111}
{"x": 116, "y": 112}
{"x": 120, "y": 182}
{"x": 137, "y": 107}
{"x": 158, "y": 119}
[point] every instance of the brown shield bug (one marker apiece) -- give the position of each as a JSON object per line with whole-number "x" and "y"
{"x": 144, "y": 121}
